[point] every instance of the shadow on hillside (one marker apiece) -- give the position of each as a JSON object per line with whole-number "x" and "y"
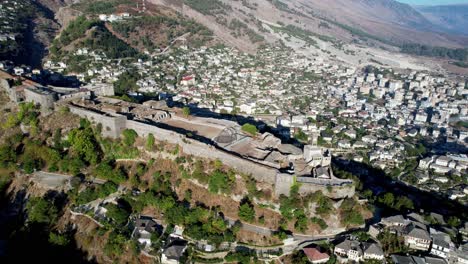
{"x": 378, "y": 182}
{"x": 30, "y": 243}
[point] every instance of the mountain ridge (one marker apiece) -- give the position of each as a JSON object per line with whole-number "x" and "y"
{"x": 450, "y": 18}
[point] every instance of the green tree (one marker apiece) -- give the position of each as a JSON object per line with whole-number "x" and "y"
{"x": 115, "y": 244}
{"x": 301, "y": 220}
{"x": 454, "y": 221}
{"x": 106, "y": 171}
{"x": 387, "y": 199}
{"x": 126, "y": 83}
{"x": 118, "y": 213}
{"x": 58, "y": 239}
{"x": 186, "y": 111}
{"x": 41, "y": 211}
{"x": 85, "y": 145}
{"x": 403, "y": 202}
{"x": 246, "y": 211}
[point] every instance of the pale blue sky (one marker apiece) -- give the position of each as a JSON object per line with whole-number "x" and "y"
{"x": 433, "y": 2}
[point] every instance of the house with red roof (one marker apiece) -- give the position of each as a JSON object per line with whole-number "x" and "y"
{"x": 315, "y": 256}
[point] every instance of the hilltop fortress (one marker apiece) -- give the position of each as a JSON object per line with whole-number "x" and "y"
{"x": 263, "y": 156}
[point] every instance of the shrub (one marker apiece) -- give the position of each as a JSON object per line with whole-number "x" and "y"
{"x": 250, "y": 129}
{"x": 246, "y": 211}
{"x": 320, "y": 222}
{"x": 130, "y": 136}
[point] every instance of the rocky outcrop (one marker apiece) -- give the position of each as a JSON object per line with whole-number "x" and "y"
{"x": 65, "y": 15}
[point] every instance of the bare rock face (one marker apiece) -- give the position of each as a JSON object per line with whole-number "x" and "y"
{"x": 65, "y": 15}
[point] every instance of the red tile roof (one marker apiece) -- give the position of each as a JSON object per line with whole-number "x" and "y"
{"x": 314, "y": 254}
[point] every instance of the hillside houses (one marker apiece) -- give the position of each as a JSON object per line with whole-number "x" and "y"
{"x": 422, "y": 238}
{"x": 358, "y": 251}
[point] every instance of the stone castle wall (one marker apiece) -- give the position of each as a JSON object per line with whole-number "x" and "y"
{"x": 112, "y": 126}
{"x": 199, "y": 149}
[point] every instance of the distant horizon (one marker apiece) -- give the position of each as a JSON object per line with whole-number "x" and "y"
{"x": 433, "y": 2}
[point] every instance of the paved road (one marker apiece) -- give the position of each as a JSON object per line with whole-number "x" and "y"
{"x": 266, "y": 231}
{"x": 56, "y": 180}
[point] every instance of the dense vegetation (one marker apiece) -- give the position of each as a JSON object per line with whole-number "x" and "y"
{"x": 101, "y": 7}
{"x": 239, "y": 29}
{"x": 94, "y": 35}
{"x": 166, "y": 28}
{"x": 440, "y": 52}
{"x": 208, "y": 7}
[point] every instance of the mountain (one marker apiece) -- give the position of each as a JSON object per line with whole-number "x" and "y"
{"x": 335, "y": 27}
{"x": 368, "y": 21}
{"x": 449, "y": 18}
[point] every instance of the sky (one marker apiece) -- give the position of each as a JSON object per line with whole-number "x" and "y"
{"x": 433, "y": 2}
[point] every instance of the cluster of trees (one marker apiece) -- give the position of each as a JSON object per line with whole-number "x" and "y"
{"x": 126, "y": 82}
{"x": 239, "y": 29}
{"x": 241, "y": 257}
{"x": 42, "y": 211}
{"x": 94, "y": 192}
{"x": 27, "y": 115}
{"x": 81, "y": 149}
{"x": 101, "y": 39}
{"x": 123, "y": 148}
{"x": 350, "y": 212}
{"x": 319, "y": 221}
{"x": 441, "y": 52}
{"x": 416, "y": 151}
{"x": 392, "y": 243}
{"x": 208, "y": 7}
{"x": 119, "y": 213}
{"x": 299, "y": 33}
{"x": 396, "y": 203}
{"x": 103, "y": 7}
{"x": 84, "y": 145}
{"x": 108, "y": 171}
{"x": 173, "y": 27}
{"x": 113, "y": 47}
{"x": 220, "y": 181}
{"x": 200, "y": 222}
{"x": 291, "y": 208}
{"x": 75, "y": 30}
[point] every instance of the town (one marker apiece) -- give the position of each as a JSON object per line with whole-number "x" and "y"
{"x": 198, "y": 152}
{"x": 341, "y": 111}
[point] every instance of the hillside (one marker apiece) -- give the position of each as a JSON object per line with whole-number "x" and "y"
{"x": 335, "y": 27}
{"x": 31, "y": 27}
{"x": 385, "y": 20}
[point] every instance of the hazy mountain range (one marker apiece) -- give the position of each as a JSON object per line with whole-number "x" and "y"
{"x": 449, "y": 18}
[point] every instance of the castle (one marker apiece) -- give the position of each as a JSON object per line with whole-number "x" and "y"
{"x": 263, "y": 156}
